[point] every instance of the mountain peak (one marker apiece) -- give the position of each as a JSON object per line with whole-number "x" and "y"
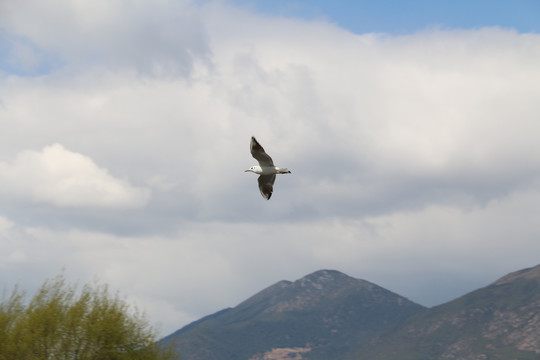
{"x": 300, "y": 317}
{"x": 327, "y": 275}
{"x": 287, "y": 295}
{"x": 320, "y": 278}
{"x": 311, "y": 291}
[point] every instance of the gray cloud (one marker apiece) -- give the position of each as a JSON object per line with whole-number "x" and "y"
{"x": 151, "y": 38}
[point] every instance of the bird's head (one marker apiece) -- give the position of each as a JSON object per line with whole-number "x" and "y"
{"x": 254, "y": 169}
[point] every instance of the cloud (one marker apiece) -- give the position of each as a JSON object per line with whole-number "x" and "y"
{"x": 414, "y": 158}
{"x": 214, "y": 265}
{"x": 5, "y": 225}
{"x": 150, "y": 37}
{"x": 67, "y": 179}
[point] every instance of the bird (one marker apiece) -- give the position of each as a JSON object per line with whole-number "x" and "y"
{"x": 266, "y": 169}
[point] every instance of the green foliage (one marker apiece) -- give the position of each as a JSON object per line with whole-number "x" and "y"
{"x": 59, "y": 322}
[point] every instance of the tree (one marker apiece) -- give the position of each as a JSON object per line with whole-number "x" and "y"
{"x": 59, "y": 322}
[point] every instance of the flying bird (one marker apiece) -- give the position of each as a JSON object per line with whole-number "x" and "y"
{"x": 265, "y": 169}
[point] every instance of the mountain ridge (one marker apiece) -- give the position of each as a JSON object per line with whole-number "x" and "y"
{"x": 328, "y": 314}
{"x": 313, "y": 315}
{"x": 498, "y": 321}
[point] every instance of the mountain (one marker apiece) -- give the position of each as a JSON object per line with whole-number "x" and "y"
{"x": 319, "y": 316}
{"x": 329, "y": 315}
{"x": 499, "y": 321}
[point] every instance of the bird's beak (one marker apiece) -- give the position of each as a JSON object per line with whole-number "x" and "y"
{"x": 248, "y": 170}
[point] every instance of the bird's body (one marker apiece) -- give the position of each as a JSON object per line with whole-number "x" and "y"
{"x": 268, "y": 170}
{"x": 265, "y": 169}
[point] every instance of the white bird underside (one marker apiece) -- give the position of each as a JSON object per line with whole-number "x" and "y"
{"x": 265, "y": 169}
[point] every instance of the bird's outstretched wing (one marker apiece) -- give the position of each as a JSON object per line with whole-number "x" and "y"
{"x": 266, "y": 185}
{"x": 259, "y": 154}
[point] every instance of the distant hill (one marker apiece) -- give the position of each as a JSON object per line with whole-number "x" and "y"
{"x": 319, "y": 316}
{"x": 329, "y": 315}
{"x": 499, "y": 321}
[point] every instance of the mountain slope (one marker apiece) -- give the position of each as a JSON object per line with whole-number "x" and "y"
{"x": 317, "y": 317}
{"x": 499, "y": 321}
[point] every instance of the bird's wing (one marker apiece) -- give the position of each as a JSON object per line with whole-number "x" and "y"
{"x": 259, "y": 154}
{"x": 266, "y": 185}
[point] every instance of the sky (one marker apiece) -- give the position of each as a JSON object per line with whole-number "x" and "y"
{"x": 411, "y": 132}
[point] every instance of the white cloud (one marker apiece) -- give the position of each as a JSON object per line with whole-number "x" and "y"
{"x": 67, "y": 179}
